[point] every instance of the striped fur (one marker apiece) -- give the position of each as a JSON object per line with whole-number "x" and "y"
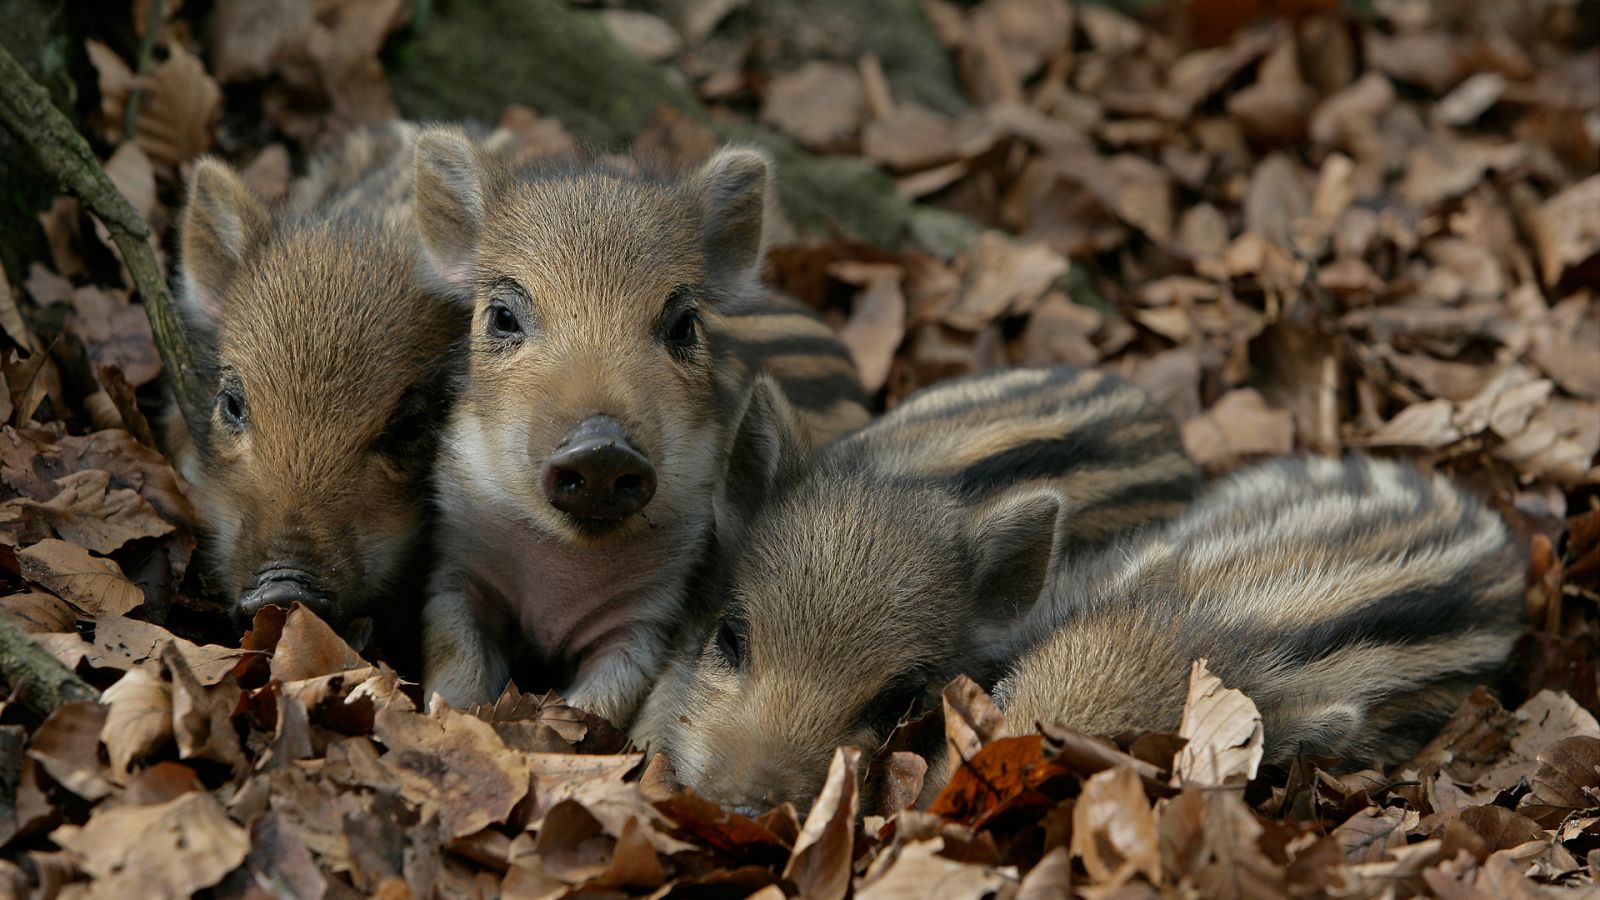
{"x": 595, "y": 262}
{"x": 896, "y": 558}
{"x": 1356, "y": 602}
{"x": 319, "y": 321}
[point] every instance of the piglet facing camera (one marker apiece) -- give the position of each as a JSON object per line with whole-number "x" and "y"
{"x": 618, "y": 319}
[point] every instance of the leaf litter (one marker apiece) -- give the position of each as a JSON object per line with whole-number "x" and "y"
{"x": 1373, "y": 229}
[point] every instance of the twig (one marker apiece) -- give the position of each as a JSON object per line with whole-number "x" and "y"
{"x": 39, "y": 680}
{"x": 147, "y": 44}
{"x": 26, "y": 110}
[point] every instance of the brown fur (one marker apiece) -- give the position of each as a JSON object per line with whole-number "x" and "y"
{"x": 1356, "y": 602}
{"x": 592, "y": 261}
{"x": 321, "y": 323}
{"x": 878, "y": 569}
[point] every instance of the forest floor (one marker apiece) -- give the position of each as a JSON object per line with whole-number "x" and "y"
{"x": 1368, "y": 227}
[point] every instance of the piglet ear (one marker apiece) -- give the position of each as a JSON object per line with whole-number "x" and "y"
{"x": 768, "y": 445}
{"x": 222, "y": 220}
{"x": 1014, "y": 539}
{"x": 732, "y": 188}
{"x": 450, "y": 202}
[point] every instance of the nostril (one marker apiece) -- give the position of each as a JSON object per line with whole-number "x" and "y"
{"x": 630, "y": 483}
{"x": 569, "y": 480}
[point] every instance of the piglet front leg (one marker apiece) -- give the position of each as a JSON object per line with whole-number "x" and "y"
{"x": 614, "y": 685}
{"x": 464, "y": 656}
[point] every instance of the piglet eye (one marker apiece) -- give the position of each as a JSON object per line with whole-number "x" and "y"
{"x": 230, "y": 405}
{"x": 732, "y": 636}
{"x": 685, "y": 329}
{"x": 682, "y": 324}
{"x": 503, "y": 323}
{"x": 902, "y": 700}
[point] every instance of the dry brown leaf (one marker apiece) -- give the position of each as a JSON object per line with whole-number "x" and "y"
{"x": 877, "y": 321}
{"x": 36, "y": 612}
{"x": 117, "y": 332}
{"x": 1231, "y": 862}
{"x": 971, "y": 720}
{"x": 167, "y": 850}
{"x": 1238, "y": 425}
{"x": 309, "y": 648}
{"x": 1471, "y": 98}
{"x": 453, "y": 762}
{"x": 1566, "y": 782}
{"x": 89, "y": 513}
{"x": 181, "y": 106}
{"x": 67, "y": 746}
{"x": 1050, "y": 879}
{"x": 821, "y": 863}
{"x": 1369, "y": 836}
{"x": 1222, "y": 728}
{"x": 1566, "y": 232}
{"x": 1114, "y": 829}
{"x": 1060, "y": 332}
{"x": 910, "y": 138}
{"x": 1003, "y": 277}
{"x": 138, "y": 719}
{"x": 94, "y": 585}
{"x": 1277, "y": 108}
{"x": 202, "y": 714}
{"x": 124, "y": 643}
{"x": 646, "y": 36}
{"x": 918, "y": 870}
{"x": 820, "y": 104}
{"x": 1426, "y": 424}
{"x": 131, "y": 172}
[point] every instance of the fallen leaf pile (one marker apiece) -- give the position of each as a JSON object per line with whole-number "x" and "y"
{"x": 1369, "y": 226}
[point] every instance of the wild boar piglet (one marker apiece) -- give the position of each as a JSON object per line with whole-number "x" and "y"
{"x": 1355, "y": 601}
{"x": 326, "y": 340}
{"x": 869, "y": 574}
{"x": 617, "y": 319}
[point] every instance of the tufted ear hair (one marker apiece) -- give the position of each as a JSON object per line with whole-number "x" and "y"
{"x": 450, "y": 202}
{"x": 732, "y": 188}
{"x": 768, "y": 445}
{"x": 222, "y": 220}
{"x": 1014, "y": 542}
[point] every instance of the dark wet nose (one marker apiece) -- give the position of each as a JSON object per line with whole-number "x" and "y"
{"x": 282, "y": 585}
{"x": 598, "y": 475}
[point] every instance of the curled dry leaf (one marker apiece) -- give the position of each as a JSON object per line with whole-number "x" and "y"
{"x": 94, "y": 585}
{"x": 1223, "y": 730}
{"x": 309, "y": 648}
{"x": 1114, "y": 829}
{"x": 138, "y": 719}
{"x": 166, "y": 850}
{"x": 824, "y": 854}
{"x": 877, "y": 321}
{"x": 1566, "y": 232}
{"x": 971, "y": 721}
{"x": 67, "y": 746}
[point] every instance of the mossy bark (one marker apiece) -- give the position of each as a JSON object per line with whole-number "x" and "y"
{"x": 472, "y": 59}
{"x": 41, "y": 682}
